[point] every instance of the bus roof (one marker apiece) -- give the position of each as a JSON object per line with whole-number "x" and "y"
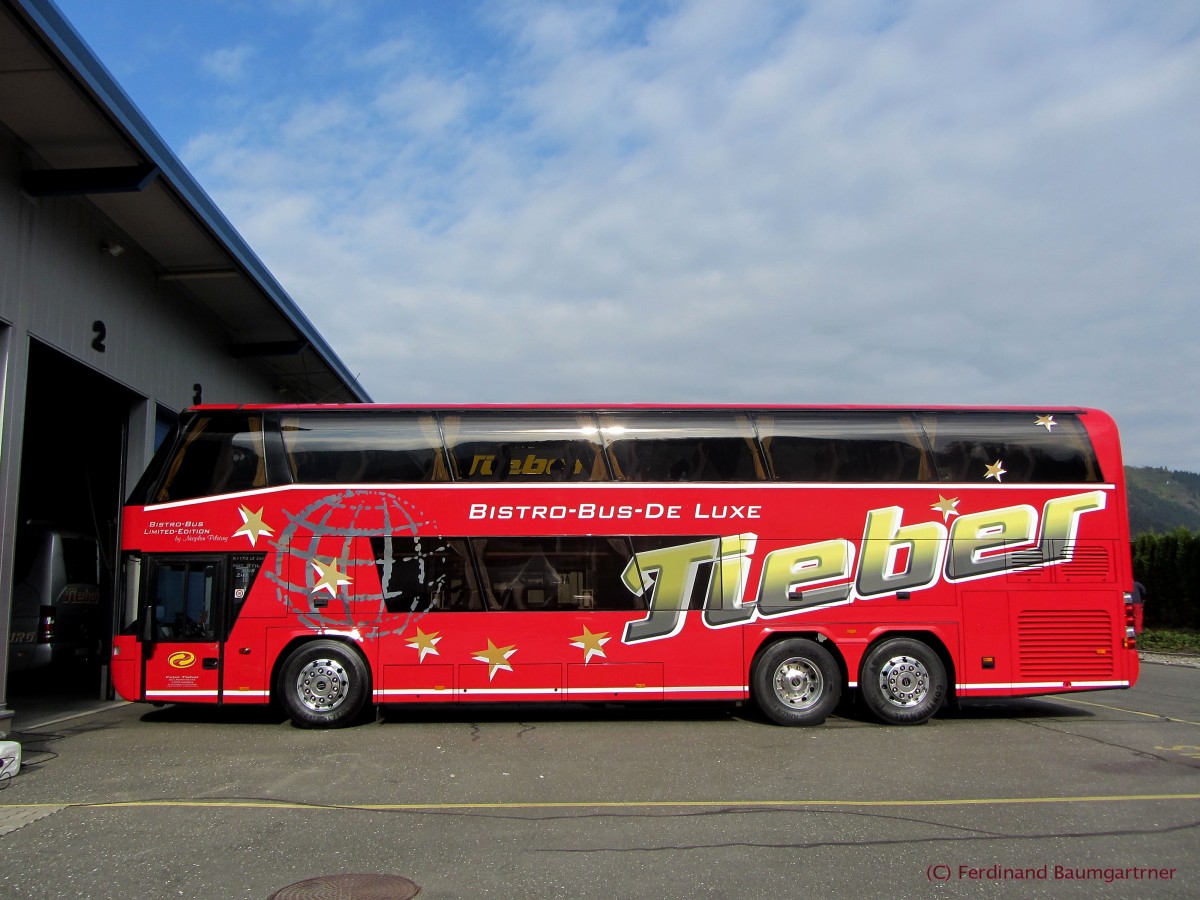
{"x": 652, "y": 407}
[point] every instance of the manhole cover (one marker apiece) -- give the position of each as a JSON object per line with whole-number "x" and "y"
{"x": 350, "y": 887}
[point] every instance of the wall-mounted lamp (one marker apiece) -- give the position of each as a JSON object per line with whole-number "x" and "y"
{"x": 112, "y": 248}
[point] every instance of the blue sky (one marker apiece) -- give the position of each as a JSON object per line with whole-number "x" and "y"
{"x": 891, "y": 202}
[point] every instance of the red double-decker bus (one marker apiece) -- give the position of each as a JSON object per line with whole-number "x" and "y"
{"x": 333, "y": 557}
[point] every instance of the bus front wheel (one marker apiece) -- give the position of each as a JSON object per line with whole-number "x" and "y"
{"x": 323, "y": 684}
{"x": 903, "y": 682}
{"x": 797, "y": 682}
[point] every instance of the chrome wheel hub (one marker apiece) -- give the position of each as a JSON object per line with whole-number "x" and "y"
{"x": 322, "y": 685}
{"x": 798, "y": 683}
{"x": 904, "y": 681}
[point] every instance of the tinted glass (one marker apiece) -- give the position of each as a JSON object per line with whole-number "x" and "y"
{"x": 349, "y": 448}
{"x": 426, "y": 573}
{"x": 185, "y": 596}
{"x": 220, "y": 453}
{"x": 844, "y": 447}
{"x": 1011, "y": 448}
{"x": 557, "y": 573}
{"x": 681, "y": 446}
{"x": 532, "y": 447}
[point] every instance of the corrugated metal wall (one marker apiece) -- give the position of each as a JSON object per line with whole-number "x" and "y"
{"x": 55, "y": 283}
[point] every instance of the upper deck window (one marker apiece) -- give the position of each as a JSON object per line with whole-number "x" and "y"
{"x": 222, "y": 451}
{"x": 352, "y": 447}
{"x": 538, "y": 446}
{"x": 844, "y": 447}
{"x": 681, "y": 446}
{"x": 219, "y": 453}
{"x": 1011, "y": 447}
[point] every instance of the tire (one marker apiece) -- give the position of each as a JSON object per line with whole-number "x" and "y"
{"x": 323, "y": 684}
{"x": 903, "y": 682}
{"x": 796, "y": 682}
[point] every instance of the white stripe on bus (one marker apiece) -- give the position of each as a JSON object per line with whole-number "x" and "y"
{"x": 1017, "y": 685}
{"x": 562, "y": 692}
{"x": 587, "y": 486}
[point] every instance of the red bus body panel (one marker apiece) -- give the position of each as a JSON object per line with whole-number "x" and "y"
{"x": 1012, "y": 631}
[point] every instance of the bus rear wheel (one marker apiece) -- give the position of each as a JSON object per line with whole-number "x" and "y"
{"x": 903, "y": 682}
{"x": 796, "y": 682}
{"x": 323, "y": 684}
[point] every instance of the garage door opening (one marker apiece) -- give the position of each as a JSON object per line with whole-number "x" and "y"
{"x": 68, "y": 510}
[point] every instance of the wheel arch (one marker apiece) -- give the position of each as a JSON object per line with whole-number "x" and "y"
{"x": 300, "y": 640}
{"x": 826, "y": 642}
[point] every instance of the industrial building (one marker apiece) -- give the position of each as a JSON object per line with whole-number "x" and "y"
{"x": 125, "y": 297}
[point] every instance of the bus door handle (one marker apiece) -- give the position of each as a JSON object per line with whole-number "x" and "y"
{"x": 209, "y": 662}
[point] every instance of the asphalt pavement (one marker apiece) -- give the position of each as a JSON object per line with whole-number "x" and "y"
{"x": 1088, "y": 795}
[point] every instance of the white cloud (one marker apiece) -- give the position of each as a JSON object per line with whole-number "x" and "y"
{"x": 921, "y": 204}
{"x": 422, "y": 104}
{"x": 228, "y": 63}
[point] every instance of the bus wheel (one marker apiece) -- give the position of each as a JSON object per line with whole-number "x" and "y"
{"x": 903, "y": 682}
{"x": 796, "y": 682}
{"x": 323, "y": 684}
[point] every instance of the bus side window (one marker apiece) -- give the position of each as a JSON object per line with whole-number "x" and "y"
{"x": 1031, "y": 449}
{"x": 351, "y": 447}
{"x": 682, "y": 446}
{"x": 426, "y": 574}
{"x": 569, "y": 574}
{"x": 543, "y": 447}
{"x": 240, "y": 465}
{"x": 851, "y": 447}
{"x": 220, "y": 453}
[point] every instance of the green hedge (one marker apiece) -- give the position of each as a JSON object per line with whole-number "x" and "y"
{"x": 1168, "y": 565}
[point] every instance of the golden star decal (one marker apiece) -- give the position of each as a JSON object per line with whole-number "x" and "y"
{"x": 252, "y": 525}
{"x": 425, "y": 644}
{"x": 495, "y": 657}
{"x": 331, "y": 578}
{"x": 591, "y": 644}
{"x": 1046, "y": 422}
{"x": 947, "y": 506}
{"x": 995, "y": 470}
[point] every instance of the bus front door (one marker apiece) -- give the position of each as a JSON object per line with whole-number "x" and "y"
{"x": 181, "y": 628}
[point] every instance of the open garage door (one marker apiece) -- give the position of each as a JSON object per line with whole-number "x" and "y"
{"x": 71, "y": 486}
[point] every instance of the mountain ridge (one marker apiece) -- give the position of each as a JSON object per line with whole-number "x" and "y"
{"x": 1162, "y": 499}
